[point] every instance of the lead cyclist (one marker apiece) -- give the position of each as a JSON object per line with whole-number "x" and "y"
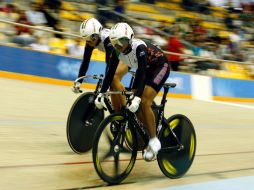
{"x": 152, "y": 71}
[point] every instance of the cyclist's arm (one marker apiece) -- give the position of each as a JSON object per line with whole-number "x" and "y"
{"x": 109, "y": 49}
{"x": 142, "y": 55}
{"x": 114, "y": 61}
{"x": 85, "y": 62}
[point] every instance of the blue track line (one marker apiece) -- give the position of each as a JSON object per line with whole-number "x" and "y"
{"x": 241, "y": 183}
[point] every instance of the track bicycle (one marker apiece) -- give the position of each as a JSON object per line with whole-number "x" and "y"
{"x": 113, "y": 162}
{"x": 84, "y": 117}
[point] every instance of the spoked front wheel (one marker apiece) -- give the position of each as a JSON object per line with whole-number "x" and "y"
{"x": 175, "y": 158}
{"x": 112, "y": 160}
{"x": 82, "y": 123}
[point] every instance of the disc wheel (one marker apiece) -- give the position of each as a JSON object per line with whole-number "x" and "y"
{"x": 174, "y": 161}
{"x": 83, "y": 120}
{"x": 112, "y": 160}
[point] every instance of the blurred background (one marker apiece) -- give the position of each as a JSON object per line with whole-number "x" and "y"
{"x": 217, "y": 29}
{"x": 215, "y": 39}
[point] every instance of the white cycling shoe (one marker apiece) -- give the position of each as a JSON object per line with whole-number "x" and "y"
{"x": 152, "y": 149}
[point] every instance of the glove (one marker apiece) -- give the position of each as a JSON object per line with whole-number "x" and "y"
{"x": 76, "y": 87}
{"x": 133, "y": 106}
{"x": 99, "y": 101}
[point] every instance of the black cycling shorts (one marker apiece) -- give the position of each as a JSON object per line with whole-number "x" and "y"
{"x": 156, "y": 76}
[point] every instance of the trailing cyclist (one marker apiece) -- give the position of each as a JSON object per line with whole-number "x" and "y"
{"x": 98, "y": 37}
{"x": 152, "y": 71}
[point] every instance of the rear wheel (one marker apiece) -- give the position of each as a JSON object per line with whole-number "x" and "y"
{"x": 174, "y": 160}
{"x": 112, "y": 160}
{"x": 82, "y": 123}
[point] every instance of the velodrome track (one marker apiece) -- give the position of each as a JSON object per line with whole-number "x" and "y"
{"x": 35, "y": 153}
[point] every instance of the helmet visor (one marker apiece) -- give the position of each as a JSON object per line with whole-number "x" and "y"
{"x": 119, "y": 43}
{"x": 91, "y": 38}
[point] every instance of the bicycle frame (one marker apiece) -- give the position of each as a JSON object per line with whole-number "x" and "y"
{"x": 161, "y": 109}
{"x": 132, "y": 118}
{"x": 137, "y": 125}
{"x": 161, "y": 121}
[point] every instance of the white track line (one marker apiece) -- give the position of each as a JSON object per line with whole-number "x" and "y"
{"x": 230, "y": 104}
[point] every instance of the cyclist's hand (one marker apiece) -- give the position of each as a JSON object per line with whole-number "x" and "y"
{"x": 134, "y": 104}
{"x": 99, "y": 101}
{"x": 76, "y": 87}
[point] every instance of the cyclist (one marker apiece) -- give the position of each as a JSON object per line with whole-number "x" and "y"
{"x": 98, "y": 37}
{"x": 152, "y": 71}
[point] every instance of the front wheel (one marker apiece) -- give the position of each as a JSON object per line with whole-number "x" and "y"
{"x": 175, "y": 158}
{"x": 82, "y": 123}
{"x": 112, "y": 160}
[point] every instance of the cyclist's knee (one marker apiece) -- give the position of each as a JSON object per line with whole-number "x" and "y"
{"x": 146, "y": 103}
{"x": 116, "y": 80}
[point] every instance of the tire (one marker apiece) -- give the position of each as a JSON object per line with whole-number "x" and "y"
{"x": 82, "y": 123}
{"x": 113, "y": 162}
{"x": 175, "y": 163}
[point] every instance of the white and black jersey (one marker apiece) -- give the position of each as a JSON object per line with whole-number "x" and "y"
{"x": 147, "y": 58}
{"x": 131, "y": 58}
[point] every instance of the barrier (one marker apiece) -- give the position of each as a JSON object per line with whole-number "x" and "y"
{"x": 28, "y": 62}
{"x": 43, "y": 67}
{"x": 232, "y": 89}
{"x": 35, "y": 63}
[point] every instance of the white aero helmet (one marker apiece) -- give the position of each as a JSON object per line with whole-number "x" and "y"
{"x": 121, "y": 34}
{"x": 90, "y": 28}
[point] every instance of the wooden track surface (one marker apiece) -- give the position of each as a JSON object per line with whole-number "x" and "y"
{"x": 35, "y": 153}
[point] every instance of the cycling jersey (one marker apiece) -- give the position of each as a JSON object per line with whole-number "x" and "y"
{"x": 104, "y": 34}
{"x": 131, "y": 58}
{"x": 103, "y": 45}
{"x": 147, "y": 58}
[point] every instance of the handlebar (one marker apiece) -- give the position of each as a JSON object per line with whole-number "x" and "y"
{"x": 98, "y": 77}
{"x": 125, "y": 93}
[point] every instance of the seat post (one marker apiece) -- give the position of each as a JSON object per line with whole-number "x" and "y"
{"x": 164, "y": 97}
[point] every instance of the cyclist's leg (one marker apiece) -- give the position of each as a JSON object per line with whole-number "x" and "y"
{"x": 147, "y": 114}
{"x": 155, "y": 79}
{"x": 154, "y": 144}
{"x": 119, "y": 100}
